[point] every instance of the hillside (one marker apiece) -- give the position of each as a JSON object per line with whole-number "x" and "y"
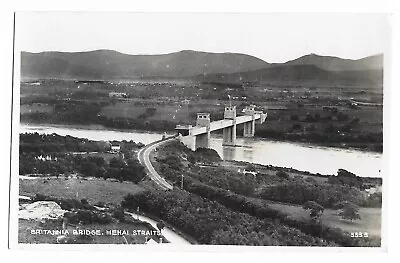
{"x": 201, "y": 66}
{"x": 107, "y": 64}
{"x": 339, "y": 64}
{"x": 306, "y": 74}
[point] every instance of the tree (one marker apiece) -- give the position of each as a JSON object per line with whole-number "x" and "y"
{"x": 346, "y": 178}
{"x": 314, "y": 209}
{"x": 348, "y": 211}
{"x": 191, "y": 158}
{"x": 119, "y": 213}
{"x": 160, "y": 225}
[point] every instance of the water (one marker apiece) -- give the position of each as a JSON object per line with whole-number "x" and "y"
{"x": 95, "y": 133}
{"x": 315, "y": 159}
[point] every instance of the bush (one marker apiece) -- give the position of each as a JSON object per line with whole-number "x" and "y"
{"x": 314, "y": 209}
{"x": 66, "y": 204}
{"x": 119, "y": 214}
{"x": 282, "y": 174}
{"x": 348, "y": 210}
{"x": 86, "y": 217}
{"x": 209, "y": 222}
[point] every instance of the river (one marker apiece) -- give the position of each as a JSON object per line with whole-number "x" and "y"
{"x": 305, "y": 157}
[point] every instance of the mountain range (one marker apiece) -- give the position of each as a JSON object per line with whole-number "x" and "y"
{"x": 200, "y": 66}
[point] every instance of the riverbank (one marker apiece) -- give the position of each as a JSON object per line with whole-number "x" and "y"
{"x": 302, "y": 142}
{"x": 260, "y": 151}
{"x": 94, "y": 127}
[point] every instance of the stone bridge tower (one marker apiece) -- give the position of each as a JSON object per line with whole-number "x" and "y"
{"x": 249, "y": 127}
{"x": 203, "y": 140}
{"x": 229, "y": 133}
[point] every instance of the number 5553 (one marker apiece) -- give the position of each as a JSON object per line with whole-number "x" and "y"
{"x": 359, "y": 234}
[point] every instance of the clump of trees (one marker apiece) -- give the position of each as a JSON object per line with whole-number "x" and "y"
{"x": 346, "y": 178}
{"x": 279, "y": 187}
{"x": 130, "y": 170}
{"x": 212, "y": 223}
{"x": 348, "y": 210}
{"x": 61, "y": 161}
{"x": 149, "y": 112}
{"x": 54, "y": 143}
{"x": 90, "y": 166}
{"x": 86, "y": 217}
{"x": 214, "y": 216}
{"x": 314, "y": 209}
{"x": 206, "y": 155}
{"x": 173, "y": 161}
{"x": 298, "y": 191}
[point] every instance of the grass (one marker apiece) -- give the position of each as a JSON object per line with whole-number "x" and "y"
{"x": 36, "y": 107}
{"x": 370, "y": 218}
{"x": 106, "y": 156}
{"x": 176, "y": 112}
{"x": 96, "y": 190}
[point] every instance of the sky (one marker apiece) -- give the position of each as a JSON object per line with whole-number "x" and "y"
{"x": 274, "y": 38}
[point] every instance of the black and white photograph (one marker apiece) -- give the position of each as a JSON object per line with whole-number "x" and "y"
{"x": 193, "y": 129}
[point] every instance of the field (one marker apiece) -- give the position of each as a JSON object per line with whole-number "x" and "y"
{"x": 176, "y": 111}
{"x": 370, "y": 218}
{"x": 36, "y": 107}
{"x": 96, "y": 190}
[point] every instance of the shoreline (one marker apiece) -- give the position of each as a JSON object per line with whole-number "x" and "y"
{"x": 291, "y": 170}
{"x": 98, "y": 127}
{"x": 93, "y": 127}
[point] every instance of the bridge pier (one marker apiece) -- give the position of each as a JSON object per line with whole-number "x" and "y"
{"x": 249, "y": 128}
{"x": 229, "y": 133}
{"x": 203, "y": 140}
{"x": 229, "y": 136}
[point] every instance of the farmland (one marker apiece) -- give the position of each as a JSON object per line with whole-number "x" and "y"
{"x": 370, "y": 218}
{"x": 272, "y": 188}
{"x": 94, "y": 190}
{"x": 332, "y": 116}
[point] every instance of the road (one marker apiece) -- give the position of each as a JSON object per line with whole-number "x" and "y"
{"x": 144, "y": 159}
{"x": 169, "y": 234}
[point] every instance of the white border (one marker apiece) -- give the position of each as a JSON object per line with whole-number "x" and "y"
{"x": 391, "y": 124}
{"x": 15, "y": 183}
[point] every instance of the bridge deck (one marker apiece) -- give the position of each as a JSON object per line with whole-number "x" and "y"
{"x": 221, "y": 124}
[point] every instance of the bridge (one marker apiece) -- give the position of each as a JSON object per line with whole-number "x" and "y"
{"x": 204, "y": 126}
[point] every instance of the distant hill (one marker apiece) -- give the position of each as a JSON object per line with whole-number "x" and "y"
{"x": 305, "y": 74}
{"x": 201, "y": 66}
{"x": 339, "y": 64}
{"x": 108, "y": 64}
